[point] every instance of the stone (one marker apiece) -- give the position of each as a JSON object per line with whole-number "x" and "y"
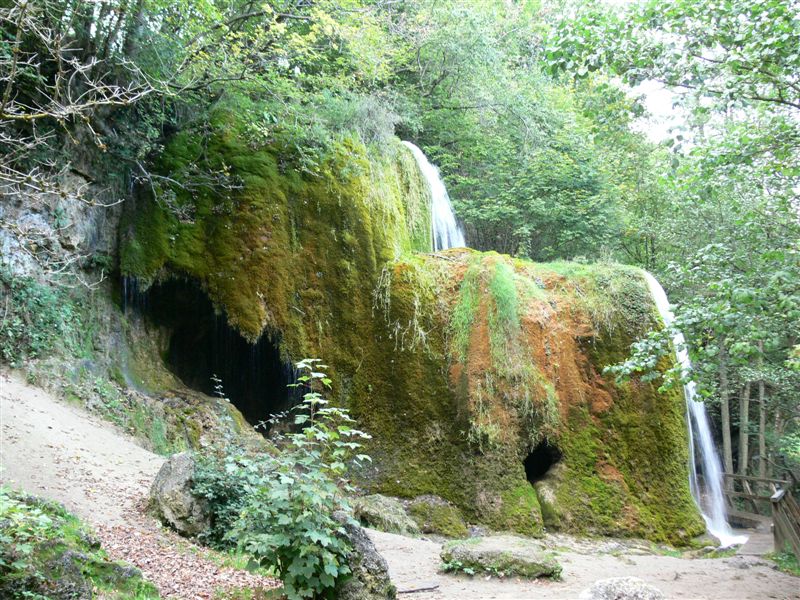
{"x": 436, "y": 515}
{"x": 501, "y": 555}
{"x": 385, "y": 514}
{"x": 370, "y": 573}
{"x": 546, "y": 492}
{"x": 621, "y": 588}
{"x": 172, "y": 499}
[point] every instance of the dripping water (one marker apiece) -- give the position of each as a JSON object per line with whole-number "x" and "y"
{"x": 446, "y": 232}
{"x": 712, "y": 503}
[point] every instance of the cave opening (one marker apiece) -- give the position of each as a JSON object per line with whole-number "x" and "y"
{"x": 540, "y": 461}
{"x": 202, "y": 346}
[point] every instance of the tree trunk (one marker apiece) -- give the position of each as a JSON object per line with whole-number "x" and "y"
{"x": 778, "y": 432}
{"x": 744, "y": 428}
{"x": 762, "y": 422}
{"x": 724, "y": 408}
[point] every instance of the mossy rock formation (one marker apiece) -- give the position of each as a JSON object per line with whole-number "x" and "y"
{"x": 503, "y": 556}
{"x": 474, "y": 372}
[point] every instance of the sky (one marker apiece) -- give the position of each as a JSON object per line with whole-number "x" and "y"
{"x": 662, "y": 116}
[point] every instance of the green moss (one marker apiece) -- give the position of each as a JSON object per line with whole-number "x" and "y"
{"x": 503, "y": 317}
{"x": 257, "y": 247}
{"x": 500, "y": 556}
{"x": 457, "y": 364}
{"x": 464, "y": 313}
{"x": 434, "y": 515}
{"x": 520, "y": 511}
{"x": 384, "y": 513}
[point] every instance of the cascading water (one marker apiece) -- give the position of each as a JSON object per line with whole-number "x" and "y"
{"x": 712, "y": 504}
{"x": 446, "y": 232}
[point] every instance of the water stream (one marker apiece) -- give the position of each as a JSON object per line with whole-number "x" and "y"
{"x": 710, "y": 500}
{"x": 446, "y": 232}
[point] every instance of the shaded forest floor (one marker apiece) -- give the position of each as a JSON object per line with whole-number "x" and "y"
{"x": 100, "y": 474}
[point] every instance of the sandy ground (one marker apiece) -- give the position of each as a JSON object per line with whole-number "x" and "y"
{"x": 66, "y": 454}
{"x": 99, "y": 473}
{"x": 60, "y": 452}
{"x": 413, "y": 564}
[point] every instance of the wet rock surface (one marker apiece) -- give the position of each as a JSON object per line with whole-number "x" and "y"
{"x": 370, "y": 572}
{"x": 384, "y": 514}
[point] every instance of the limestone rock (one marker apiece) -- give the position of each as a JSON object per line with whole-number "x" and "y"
{"x": 370, "y": 579}
{"x": 172, "y": 499}
{"x": 546, "y": 493}
{"x": 436, "y": 515}
{"x": 385, "y": 514}
{"x": 504, "y": 555}
{"x": 621, "y": 588}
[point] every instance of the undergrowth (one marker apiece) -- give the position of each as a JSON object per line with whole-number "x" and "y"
{"x": 35, "y": 318}
{"x": 785, "y": 561}
{"x": 45, "y": 552}
{"x": 281, "y": 509}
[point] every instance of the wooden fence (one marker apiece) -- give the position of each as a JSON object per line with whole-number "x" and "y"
{"x": 767, "y": 497}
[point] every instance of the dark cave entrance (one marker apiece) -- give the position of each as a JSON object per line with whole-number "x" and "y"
{"x": 540, "y": 460}
{"x": 254, "y": 377}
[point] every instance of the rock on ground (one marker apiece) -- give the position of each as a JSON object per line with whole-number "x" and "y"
{"x": 504, "y": 555}
{"x": 621, "y": 588}
{"x": 370, "y": 580}
{"x": 385, "y": 514}
{"x": 172, "y": 499}
{"x": 436, "y": 515}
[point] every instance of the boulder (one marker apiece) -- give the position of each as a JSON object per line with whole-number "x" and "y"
{"x": 501, "y": 555}
{"x": 436, "y": 515}
{"x": 621, "y": 588}
{"x": 172, "y": 499}
{"x": 385, "y": 514}
{"x": 370, "y": 573}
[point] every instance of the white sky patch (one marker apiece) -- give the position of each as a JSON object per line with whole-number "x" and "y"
{"x": 662, "y": 115}
{"x": 658, "y": 100}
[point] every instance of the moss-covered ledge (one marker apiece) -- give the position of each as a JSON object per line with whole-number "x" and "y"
{"x": 461, "y": 364}
{"x": 276, "y": 248}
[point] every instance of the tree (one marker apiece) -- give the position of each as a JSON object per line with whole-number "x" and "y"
{"x": 726, "y": 241}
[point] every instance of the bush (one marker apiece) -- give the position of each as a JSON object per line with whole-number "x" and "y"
{"x": 280, "y": 508}
{"x": 33, "y": 318}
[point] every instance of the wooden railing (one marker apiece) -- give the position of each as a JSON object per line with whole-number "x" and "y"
{"x": 786, "y": 522}
{"x": 759, "y": 500}
{"x": 773, "y": 498}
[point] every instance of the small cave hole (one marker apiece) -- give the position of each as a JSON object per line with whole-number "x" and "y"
{"x": 540, "y": 460}
{"x": 201, "y": 345}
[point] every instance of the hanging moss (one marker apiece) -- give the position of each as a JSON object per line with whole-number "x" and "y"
{"x": 458, "y": 364}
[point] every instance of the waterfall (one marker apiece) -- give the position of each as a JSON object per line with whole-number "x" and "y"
{"x": 446, "y": 232}
{"x": 712, "y": 503}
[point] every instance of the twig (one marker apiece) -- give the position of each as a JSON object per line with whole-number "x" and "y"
{"x": 427, "y": 588}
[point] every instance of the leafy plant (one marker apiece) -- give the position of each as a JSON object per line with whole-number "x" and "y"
{"x": 33, "y": 318}
{"x": 280, "y": 509}
{"x": 786, "y": 562}
{"x": 456, "y": 566}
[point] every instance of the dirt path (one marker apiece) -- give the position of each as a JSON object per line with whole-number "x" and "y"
{"x": 414, "y": 563}
{"x": 63, "y": 453}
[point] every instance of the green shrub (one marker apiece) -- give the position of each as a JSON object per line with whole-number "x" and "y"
{"x": 33, "y": 318}
{"x": 280, "y": 509}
